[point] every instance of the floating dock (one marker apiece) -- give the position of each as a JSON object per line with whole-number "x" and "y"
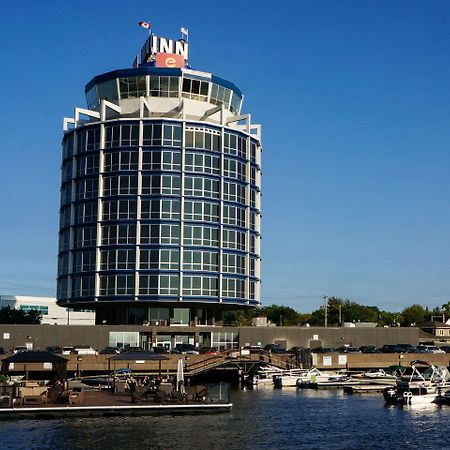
{"x": 102, "y": 404}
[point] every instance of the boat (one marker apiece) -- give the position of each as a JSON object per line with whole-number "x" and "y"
{"x": 266, "y": 376}
{"x": 419, "y": 388}
{"x": 378, "y": 376}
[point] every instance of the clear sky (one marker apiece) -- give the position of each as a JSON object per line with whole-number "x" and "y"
{"x": 354, "y": 99}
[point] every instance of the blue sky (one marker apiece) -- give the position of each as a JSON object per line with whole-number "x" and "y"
{"x": 354, "y": 99}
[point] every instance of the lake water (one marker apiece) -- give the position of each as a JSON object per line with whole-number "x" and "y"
{"x": 261, "y": 419}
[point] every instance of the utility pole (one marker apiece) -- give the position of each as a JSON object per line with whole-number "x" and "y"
{"x": 325, "y": 299}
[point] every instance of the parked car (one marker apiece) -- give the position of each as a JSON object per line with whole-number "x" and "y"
{"x": 185, "y": 349}
{"x": 67, "y": 350}
{"x": 84, "y": 350}
{"x": 130, "y": 349}
{"x": 2, "y": 351}
{"x": 323, "y": 350}
{"x": 369, "y": 349}
{"x": 348, "y": 349}
{"x": 209, "y": 351}
{"x": 429, "y": 348}
{"x": 160, "y": 349}
{"x": 275, "y": 348}
{"x": 446, "y": 348}
{"x": 20, "y": 349}
{"x": 391, "y": 348}
{"x": 109, "y": 351}
{"x": 54, "y": 349}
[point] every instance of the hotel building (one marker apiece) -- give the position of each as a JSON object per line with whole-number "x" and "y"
{"x": 160, "y": 196}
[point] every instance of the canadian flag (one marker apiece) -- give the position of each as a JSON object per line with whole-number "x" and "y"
{"x": 145, "y": 25}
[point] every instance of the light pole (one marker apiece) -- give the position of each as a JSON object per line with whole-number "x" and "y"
{"x": 325, "y": 299}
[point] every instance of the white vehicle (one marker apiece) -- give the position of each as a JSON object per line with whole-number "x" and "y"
{"x": 430, "y": 349}
{"x": 20, "y": 349}
{"x": 67, "y": 350}
{"x": 84, "y": 350}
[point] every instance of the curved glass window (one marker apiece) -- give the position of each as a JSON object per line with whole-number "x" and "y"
{"x": 160, "y": 234}
{"x": 233, "y": 263}
{"x": 203, "y": 138}
{"x": 120, "y": 259}
{"x": 201, "y": 211}
{"x": 200, "y": 236}
{"x": 201, "y": 187}
{"x": 133, "y": 87}
{"x": 195, "y": 89}
{"x": 164, "y": 86}
{"x": 123, "y": 234}
{"x": 116, "y": 284}
{"x": 233, "y": 192}
{"x": 161, "y": 209}
{"x": 88, "y": 139}
{"x": 159, "y": 259}
{"x": 161, "y": 184}
{"x": 200, "y": 260}
{"x": 198, "y": 285}
{"x": 120, "y": 161}
{"x": 108, "y": 91}
{"x": 234, "y": 288}
{"x": 201, "y": 162}
{"x": 161, "y": 160}
{"x": 220, "y": 95}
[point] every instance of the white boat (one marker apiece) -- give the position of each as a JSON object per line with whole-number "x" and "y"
{"x": 378, "y": 376}
{"x": 265, "y": 376}
{"x": 419, "y": 388}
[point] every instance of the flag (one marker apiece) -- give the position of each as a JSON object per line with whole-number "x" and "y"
{"x": 184, "y": 31}
{"x": 144, "y": 25}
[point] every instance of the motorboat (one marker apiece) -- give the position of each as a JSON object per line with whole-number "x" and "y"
{"x": 266, "y": 376}
{"x": 378, "y": 376}
{"x": 419, "y": 388}
{"x": 315, "y": 376}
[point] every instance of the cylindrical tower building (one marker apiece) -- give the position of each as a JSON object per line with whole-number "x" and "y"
{"x": 160, "y": 197}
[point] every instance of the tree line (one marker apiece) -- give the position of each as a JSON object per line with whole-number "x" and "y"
{"x": 338, "y": 310}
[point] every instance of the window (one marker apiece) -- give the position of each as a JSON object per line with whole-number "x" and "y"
{"x": 159, "y": 259}
{"x": 64, "y": 240}
{"x": 85, "y": 236}
{"x": 161, "y": 184}
{"x": 84, "y": 261}
{"x": 66, "y": 173}
{"x": 234, "y": 144}
{"x": 152, "y": 134}
{"x": 121, "y": 259}
{"x": 236, "y": 101}
{"x": 172, "y": 135}
{"x": 234, "y": 215}
{"x": 132, "y": 87}
{"x": 161, "y": 209}
{"x": 160, "y": 234}
{"x": 87, "y": 188}
{"x": 83, "y": 286}
{"x": 88, "y": 139}
{"x": 68, "y": 145}
{"x": 108, "y": 91}
{"x": 200, "y": 286}
{"x": 122, "y": 134}
{"x": 119, "y": 209}
{"x": 220, "y": 95}
{"x": 120, "y": 185}
{"x": 195, "y": 89}
{"x": 233, "y": 288}
{"x": 159, "y": 284}
{"x": 233, "y": 192}
{"x": 87, "y": 165}
{"x": 85, "y": 212}
{"x": 233, "y": 263}
{"x": 201, "y": 211}
{"x": 164, "y": 86}
{"x": 201, "y": 162}
{"x": 66, "y": 193}
{"x": 234, "y": 169}
{"x": 116, "y": 284}
{"x": 203, "y": 138}
{"x": 118, "y": 234}
{"x": 63, "y": 264}
{"x": 201, "y": 187}
{"x": 39, "y": 308}
{"x": 233, "y": 239}
{"x": 120, "y": 161}
{"x": 200, "y": 260}
{"x": 201, "y": 236}
{"x": 161, "y": 160}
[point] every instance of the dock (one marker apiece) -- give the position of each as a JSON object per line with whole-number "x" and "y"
{"x": 105, "y": 404}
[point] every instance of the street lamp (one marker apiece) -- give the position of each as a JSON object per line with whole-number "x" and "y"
{"x": 325, "y": 299}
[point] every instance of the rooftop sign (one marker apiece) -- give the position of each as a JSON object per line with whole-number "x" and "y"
{"x": 156, "y": 44}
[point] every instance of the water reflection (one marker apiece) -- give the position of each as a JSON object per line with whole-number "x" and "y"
{"x": 262, "y": 418}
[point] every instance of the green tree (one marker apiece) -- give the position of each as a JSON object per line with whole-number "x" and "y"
{"x": 281, "y": 315}
{"x": 17, "y": 316}
{"x": 413, "y": 315}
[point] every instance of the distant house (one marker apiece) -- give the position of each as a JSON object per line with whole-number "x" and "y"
{"x": 439, "y": 329}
